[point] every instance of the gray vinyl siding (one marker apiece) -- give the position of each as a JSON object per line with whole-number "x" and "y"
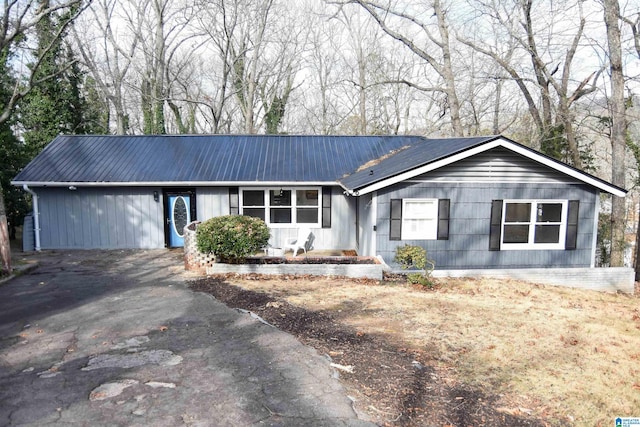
{"x": 468, "y": 244}
{"x": 367, "y": 220}
{"x": 214, "y": 201}
{"x": 128, "y": 217}
{"x": 100, "y": 218}
{"x": 28, "y": 238}
{"x": 341, "y": 235}
{"x": 496, "y": 164}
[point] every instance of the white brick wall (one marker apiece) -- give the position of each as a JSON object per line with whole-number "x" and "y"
{"x": 612, "y": 279}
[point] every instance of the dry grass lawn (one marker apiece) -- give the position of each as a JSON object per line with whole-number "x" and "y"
{"x": 565, "y": 355}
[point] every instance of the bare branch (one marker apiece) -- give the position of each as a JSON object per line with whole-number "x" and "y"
{"x": 515, "y": 76}
{"x": 635, "y": 29}
{"x": 10, "y": 31}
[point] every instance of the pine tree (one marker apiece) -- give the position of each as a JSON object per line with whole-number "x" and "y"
{"x": 58, "y": 105}
{"x": 44, "y": 112}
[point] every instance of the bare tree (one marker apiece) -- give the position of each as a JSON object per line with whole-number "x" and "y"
{"x": 634, "y": 25}
{"x": 362, "y": 56}
{"x": 153, "y": 85}
{"x": 247, "y": 48}
{"x": 618, "y": 129}
{"x": 110, "y": 63}
{"x": 394, "y": 102}
{"x": 183, "y": 90}
{"x": 434, "y": 46}
{"x": 550, "y": 74}
{"x": 258, "y": 45}
{"x": 277, "y": 81}
{"x": 218, "y": 20}
{"x": 322, "y": 110}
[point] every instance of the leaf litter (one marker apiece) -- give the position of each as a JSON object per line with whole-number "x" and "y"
{"x": 467, "y": 352}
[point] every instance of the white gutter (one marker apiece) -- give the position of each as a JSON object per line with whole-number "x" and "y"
{"x": 175, "y": 183}
{"x": 36, "y": 215}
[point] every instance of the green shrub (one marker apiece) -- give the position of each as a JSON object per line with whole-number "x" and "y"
{"x": 415, "y": 257}
{"x": 232, "y": 238}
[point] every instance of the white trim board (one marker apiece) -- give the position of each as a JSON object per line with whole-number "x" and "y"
{"x": 260, "y": 184}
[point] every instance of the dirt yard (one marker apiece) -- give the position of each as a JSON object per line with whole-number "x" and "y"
{"x": 467, "y": 353}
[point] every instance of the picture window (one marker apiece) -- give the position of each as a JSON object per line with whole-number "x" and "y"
{"x": 282, "y": 206}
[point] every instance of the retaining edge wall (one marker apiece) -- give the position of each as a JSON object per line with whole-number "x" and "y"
{"x": 611, "y": 279}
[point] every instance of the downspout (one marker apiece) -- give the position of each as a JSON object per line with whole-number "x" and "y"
{"x": 373, "y": 249}
{"x": 36, "y": 215}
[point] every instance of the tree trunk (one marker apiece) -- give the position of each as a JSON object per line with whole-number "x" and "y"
{"x": 447, "y": 71}
{"x": 362, "y": 87}
{"x": 618, "y": 131}
{"x": 443, "y": 66}
{"x": 160, "y": 66}
{"x": 5, "y": 248}
{"x": 567, "y": 121}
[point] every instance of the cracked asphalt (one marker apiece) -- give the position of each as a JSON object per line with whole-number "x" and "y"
{"x": 116, "y": 338}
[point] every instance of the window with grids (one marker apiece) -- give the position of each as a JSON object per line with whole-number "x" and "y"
{"x": 282, "y": 206}
{"x": 534, "y": 224}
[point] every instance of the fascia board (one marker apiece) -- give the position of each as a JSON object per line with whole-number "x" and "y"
{"x": 426, "y": 168}
{"x": 176, "y": 183}
{"x": 500, "y": 142}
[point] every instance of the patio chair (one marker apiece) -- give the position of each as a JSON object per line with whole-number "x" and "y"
{"x": 300, "y": 242}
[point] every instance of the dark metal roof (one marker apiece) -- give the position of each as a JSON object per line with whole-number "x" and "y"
{"x": 421, "y": 152}
{"x": 354, "y": 162}
{"x": 204, "y": 158}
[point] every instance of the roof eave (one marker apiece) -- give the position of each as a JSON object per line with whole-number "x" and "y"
{"x": 498, "y": 142}
{"x": 175, "y": 183}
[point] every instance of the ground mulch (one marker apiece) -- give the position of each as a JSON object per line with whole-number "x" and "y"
{"x": 392, "y": 385}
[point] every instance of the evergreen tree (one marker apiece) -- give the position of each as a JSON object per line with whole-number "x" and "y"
{"x": 12, "y": 155}
{"x": 94, "y": 107}
{"x": 58, "y": 104}
{"x": 44, "y": 112}
{"x": 13, "y": 160}
{"x": 86, "y": 106}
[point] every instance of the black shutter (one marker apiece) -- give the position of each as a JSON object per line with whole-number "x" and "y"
{"x": 326, "y": 207}
{"x": 234, "y": 201}
{"x": 443, "y": 219}
{"x": 496, "y": 225}
{"x": 395, "y": 229}
{"x": 572, "y": 225}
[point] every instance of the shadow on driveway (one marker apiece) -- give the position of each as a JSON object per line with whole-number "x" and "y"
{"x": 117, "y": 338}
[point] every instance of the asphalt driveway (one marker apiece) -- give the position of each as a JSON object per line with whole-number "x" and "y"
{"x": 116, "y": 338}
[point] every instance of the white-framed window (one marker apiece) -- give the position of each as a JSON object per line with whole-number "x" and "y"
{"x": 534, "y": 224}
{"x": 419, "y": 219}
{"x": 283, "y": 206}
